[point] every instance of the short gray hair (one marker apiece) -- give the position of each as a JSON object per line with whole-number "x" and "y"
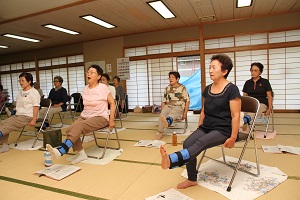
{"x": 59, "y": 78}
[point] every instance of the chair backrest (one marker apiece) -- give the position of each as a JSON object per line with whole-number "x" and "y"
{"x": 250, "y": 104}
{"x": 69, "y": 102}
{"x": 45, "y": 103}
{"x": 77, "y": 102}
{"x": 76, "y": 95}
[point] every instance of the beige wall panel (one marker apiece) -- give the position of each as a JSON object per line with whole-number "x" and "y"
{"x": 108, "y": 50}
{"x": 162, "y": 36}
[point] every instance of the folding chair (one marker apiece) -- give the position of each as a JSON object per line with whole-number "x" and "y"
{"x": 106, "y": 141}
{"x": 2, "y": 107}
{"x": 77, "y": 98}
{"x": 118, "y": 114}
{"x": 45, "y": 103}
{"x": 249, "y": 104}
{"x": 179, "y": 120}
{"x": 265, "y": 120}
{"x": 125, "y": 110}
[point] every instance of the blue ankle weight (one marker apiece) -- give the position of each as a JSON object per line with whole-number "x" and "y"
{"x": 247, "y": 119}
{"x": 179, "y": 158}
{"x": 169, "y": 120}
{"x": 65, "y": 146}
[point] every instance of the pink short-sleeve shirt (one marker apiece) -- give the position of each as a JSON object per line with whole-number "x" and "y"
{"x": 95, "y": 101}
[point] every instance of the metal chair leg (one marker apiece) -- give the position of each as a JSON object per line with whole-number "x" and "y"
{"x": 105, "y": 147}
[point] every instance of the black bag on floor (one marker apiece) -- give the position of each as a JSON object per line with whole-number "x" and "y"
{"x": 52, "y": 137}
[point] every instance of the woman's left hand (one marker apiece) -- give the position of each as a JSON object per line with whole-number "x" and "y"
{"x": 267, "y": 112}
{"x": 111, "y": 124}
{"x": 184, "y": 116}
{"x": 229, "y": 143}
{"x": 32, "y": 123}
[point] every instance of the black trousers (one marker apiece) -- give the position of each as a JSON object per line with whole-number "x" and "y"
{"x": 196, "y": 143}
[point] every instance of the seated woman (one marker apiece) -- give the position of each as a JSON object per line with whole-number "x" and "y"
{"x": 259, "y": 88}
{"x": 218, "y": 122}
{"x": 10, "y": 109}
{"x": 2, "y": 97}
{"x": 58, "y": 96}
{"x": 175, "y": 102}
{"x": 119, "y": 92}
{"x": 38, "y": 88}
{"x": 27, "y": 107}
{"x": 93, "y": 117}
{"x": 105, "y": 79}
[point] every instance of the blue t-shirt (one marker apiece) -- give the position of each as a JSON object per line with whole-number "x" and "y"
{"x": 217, "y": 109}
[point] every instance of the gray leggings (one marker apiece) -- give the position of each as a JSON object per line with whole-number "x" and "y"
{"x": 196, "y": 143}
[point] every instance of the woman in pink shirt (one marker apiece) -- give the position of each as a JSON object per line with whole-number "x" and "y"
{"x": 94, "y": 116}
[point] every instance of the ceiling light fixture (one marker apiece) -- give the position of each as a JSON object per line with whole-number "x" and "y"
{"x": 20, "y": 37}
{"x": 243, "y": 3}
{"x": 98, "y": 21}
{"x": 57, "y": 28}
{"x": 4, "y": 47}
{"x": 162, "y": 9}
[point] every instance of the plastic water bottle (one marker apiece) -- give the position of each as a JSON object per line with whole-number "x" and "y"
{"x": 174, "y": 139}
{"x": 47, "y": 159}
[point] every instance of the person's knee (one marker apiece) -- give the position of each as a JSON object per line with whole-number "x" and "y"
{"x": 186, "y": 144}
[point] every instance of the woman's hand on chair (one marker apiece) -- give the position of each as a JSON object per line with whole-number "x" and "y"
{"x": 184, "y": 116}
{"x": 267, "y": 112}
{"x": 111, "y": 124}
{"x": 229, "y": 143}
{"x": 32, "y": 123}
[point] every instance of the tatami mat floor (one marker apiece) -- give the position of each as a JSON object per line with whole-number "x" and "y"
{"x": 136, "y": 174}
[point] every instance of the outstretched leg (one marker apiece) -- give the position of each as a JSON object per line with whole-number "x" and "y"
{"x": 54, "y": 152}
{"x": 173, "y": 160}
{"x": 165, "y": 160}
{"x": 60, "y": 150}
{"x": 164, "y": 121}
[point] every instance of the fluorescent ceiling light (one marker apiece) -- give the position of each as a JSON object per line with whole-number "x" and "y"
{"x": 57, "y": 28}
{"x": 162, "y": 9}
{"x": 20, "y": 37}
{"x": 98, "y": 21}
{"x": 3, "y": 46}
{"x": 243, "y": 3}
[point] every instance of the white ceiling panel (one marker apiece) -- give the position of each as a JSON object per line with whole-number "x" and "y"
{"x": 26, "y": 18}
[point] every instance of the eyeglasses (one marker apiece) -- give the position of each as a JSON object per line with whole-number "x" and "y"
{"x": 91, "y": 73}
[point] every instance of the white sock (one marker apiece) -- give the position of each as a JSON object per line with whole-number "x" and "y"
{"x": 54, "y": 152}
{"x": 80, "y": 157}
{"x": 4, "y": 148}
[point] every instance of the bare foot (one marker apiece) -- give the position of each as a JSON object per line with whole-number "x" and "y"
{"x": 159, "y": 135}
{"x": 164, "y": 121}
{"x": 186, "y": 184}
{"x": 165, "y": 160}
